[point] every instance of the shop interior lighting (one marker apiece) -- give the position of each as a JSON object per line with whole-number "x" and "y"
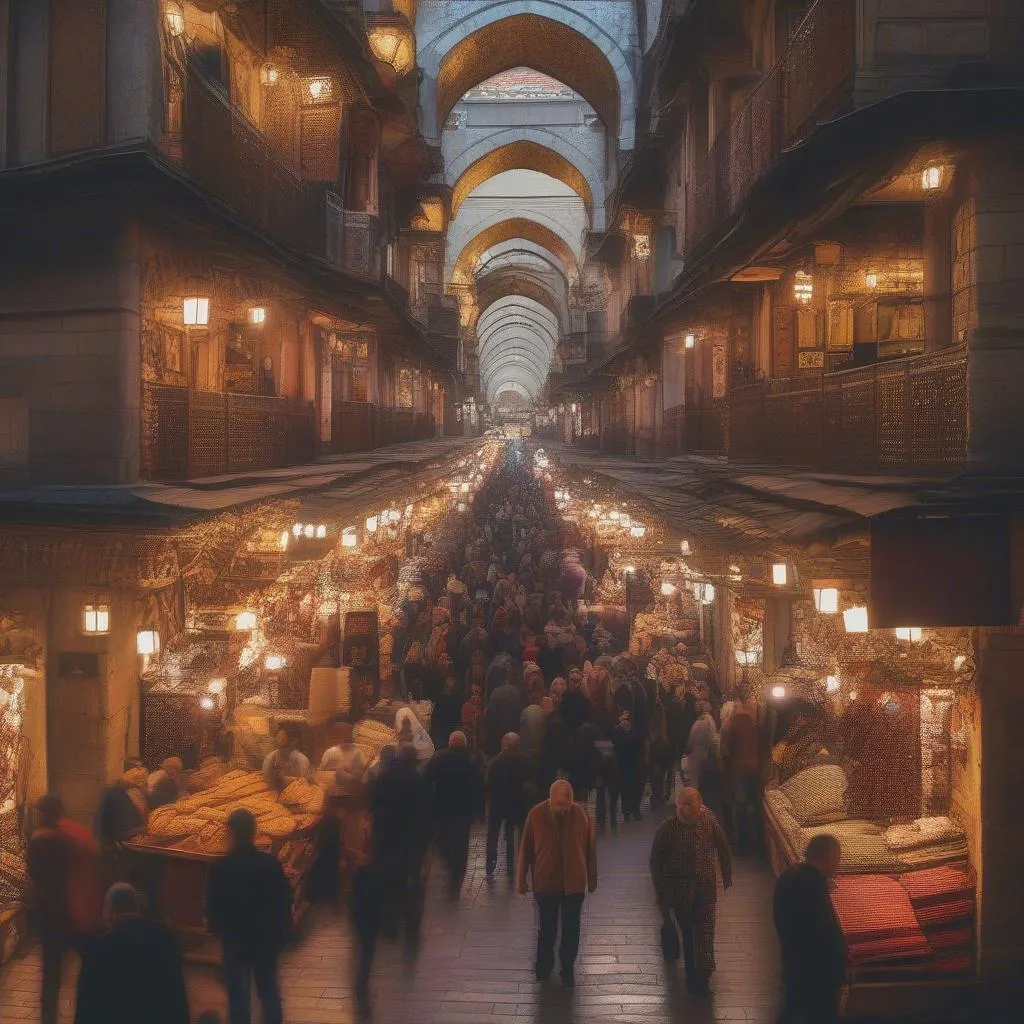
{"x": 245, "y": 620}
{"x": 826, "y": 600}
{"x": 746, "y": 658}
{"x": 321, "y": 532}
{"x": 931, "y": 178}
{"x": 96, "y": 619}
{"x": 463, "y": 507}
{"x": 207, "y": 703}
{"x": 689, "y": 340}
{"x": 147, "y": 641}
{"x": 855, "y": 619}
{"x": 308, "y": 530}
{"x": 174, "y": 16}
{"x": 217, "y": 686}
{"x": 911, "y": 633}
{"x": 803, "y": 287}
{"x": 371, "y": 524}
{"x": 832, "y": 684}
{"x": 464, "y": 489}
{"x": 349, "y": 538}
{"x": 779, "y": 692}
{"x": 284, "y": 540}
{"x": 257, "y": 315}
{"x": 614, "y": 515}
{"x": 637, "y": 531}
{"x": 297, "y": 529}
{"x": 668, "y": 589}
{"x": 780, "y": 574}
{"x": 195, "y": 311}
{"x": 853, "y": 696}
{"x": 871, "y": 279}
{"x": 274, "y": 662}
{"x": 684, "y": 547}
{"x": 319, "y": 89}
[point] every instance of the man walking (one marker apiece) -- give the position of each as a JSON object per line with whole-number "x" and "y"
{"x": 248, "y": 904}
{"x": 559, "y": 850}
{"x": 507, "y": 776}
{"x": 132, "y": 972}
{"x": 813, "y": 948}
{"x": 683, "y": 871}
{"x": 458, "y": 798}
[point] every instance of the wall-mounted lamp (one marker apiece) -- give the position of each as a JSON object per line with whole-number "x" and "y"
{"x": 931, "y": 178}
{"x": 147, "y": 641}
{"x": 257, "y": 315}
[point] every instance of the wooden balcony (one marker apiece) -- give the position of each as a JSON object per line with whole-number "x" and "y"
{"x": 896, "y": 416}
{"x": 813, "y": 80}
{"x": 228, "y": 157}
{"x": 188, "y": 434}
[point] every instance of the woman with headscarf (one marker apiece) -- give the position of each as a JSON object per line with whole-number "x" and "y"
{"x": 409, "y": 730}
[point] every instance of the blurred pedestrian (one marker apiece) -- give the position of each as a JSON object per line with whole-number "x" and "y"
{"x": 249, "y": 904}
{"x": 682, "y": 864}
{"x": 558, "y": 853}
{"x": 457, "y": 788}
{"x": 507, "y": 778}
{"x": 133, "y": 972}
{"x": 814, "y": 954}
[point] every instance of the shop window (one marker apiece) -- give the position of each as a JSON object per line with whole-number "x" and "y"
{"x": 405, "y": 389}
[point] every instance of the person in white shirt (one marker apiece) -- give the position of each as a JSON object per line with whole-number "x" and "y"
{"x": 286, "y": 761}
{"x": 346, "y": 760}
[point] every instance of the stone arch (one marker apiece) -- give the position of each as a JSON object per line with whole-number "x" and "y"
{"x": 547, "y": 36}
{"x": 524, "y": 154}
{"x": 502, "y": 283}
{"x": 503, "y": 231}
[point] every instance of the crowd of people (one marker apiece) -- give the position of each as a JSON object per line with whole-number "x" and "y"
{"x": 536, "y": 705}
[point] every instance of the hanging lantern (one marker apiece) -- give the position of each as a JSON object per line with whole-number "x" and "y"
{"x": 832, "y": 684}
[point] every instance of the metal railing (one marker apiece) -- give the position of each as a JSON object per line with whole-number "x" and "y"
{"x": 188, "y": 434}
{"x": 902, "y": 414}
{"x": 363, "y": 426}
{"x": 352, "y": 239}
{"x": 810, "y": 81}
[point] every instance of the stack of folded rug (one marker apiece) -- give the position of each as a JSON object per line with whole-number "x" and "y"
{"x": 943, "y": 902}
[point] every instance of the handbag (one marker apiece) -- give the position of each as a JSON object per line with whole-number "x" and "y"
{"x": 669, "y": 937}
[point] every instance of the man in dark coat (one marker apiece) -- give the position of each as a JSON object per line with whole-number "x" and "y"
{"x": 628, "y": 743}
{"x": 507, "y": 777}
{"x": 457, "y": 786}
{"x": 49, "y": 861}
{"x": 133, "y": 971}
{"x": 813, "y": 949}
{"x": 249, "y": 904}
{"x": 502, "y": 714}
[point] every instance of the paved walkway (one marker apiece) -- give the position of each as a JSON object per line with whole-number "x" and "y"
{"x": 476, "y": 960}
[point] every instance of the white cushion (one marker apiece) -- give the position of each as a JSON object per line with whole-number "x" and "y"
{"x": 817, "y": 794}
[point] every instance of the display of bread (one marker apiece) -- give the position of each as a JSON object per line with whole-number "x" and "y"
{"x": 371, "y": 737}
{"x": 199, "y": 822}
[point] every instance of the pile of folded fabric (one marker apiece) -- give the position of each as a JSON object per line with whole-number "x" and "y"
{"x": 927, "y": 842}
{"x": 943, "y": 901}
{"x": 882, "y": 932}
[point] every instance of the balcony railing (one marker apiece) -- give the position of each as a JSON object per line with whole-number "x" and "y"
{"x": 363, "y": 426}
{"x": 353, "y": 239}
{"x": 225, "y": 154}
{"x": 903, "y": 414}
{"x": 805, "y": 85}
{"x": 188, "y": 434}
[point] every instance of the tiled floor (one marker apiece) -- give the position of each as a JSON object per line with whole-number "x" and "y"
{"x": 476, "y": 960}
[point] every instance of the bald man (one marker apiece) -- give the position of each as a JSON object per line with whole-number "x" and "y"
{"x": 682, "y": 868}
{"x": 559, "y": 851}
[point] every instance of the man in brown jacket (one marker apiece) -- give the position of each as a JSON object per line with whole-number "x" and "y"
{"x": 559, "y": 848}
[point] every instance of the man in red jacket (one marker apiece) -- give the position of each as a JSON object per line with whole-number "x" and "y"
{"x": 558, "y": 849}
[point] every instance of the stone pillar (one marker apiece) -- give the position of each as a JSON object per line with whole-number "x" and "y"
{"x": 988, "y": 298}
{"x": 1001, "y": 896}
